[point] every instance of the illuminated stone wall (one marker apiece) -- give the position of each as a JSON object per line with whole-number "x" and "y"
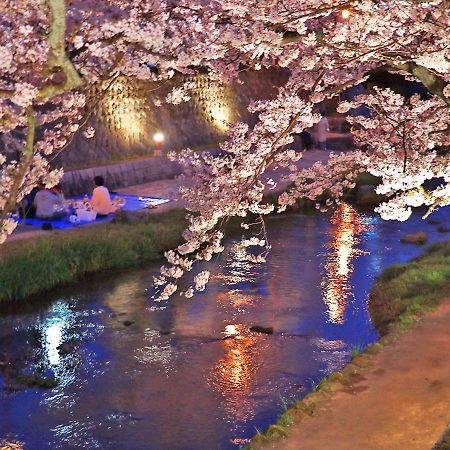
{"x": 127, "y": 118}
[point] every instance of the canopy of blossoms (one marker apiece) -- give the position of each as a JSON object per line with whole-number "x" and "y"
{"x": 53, "y": 51}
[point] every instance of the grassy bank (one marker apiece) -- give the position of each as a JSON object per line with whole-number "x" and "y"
{"x": 405, "y": 291}
{"x": 40, "y": 263}
{"x": 444, "y": 441}
{"x": 401, "y": 295}
{"x": 31, "y": 266}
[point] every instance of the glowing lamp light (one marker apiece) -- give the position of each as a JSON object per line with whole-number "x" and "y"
{"x": 345, "y": 14}
{"x": 158, "y": 138}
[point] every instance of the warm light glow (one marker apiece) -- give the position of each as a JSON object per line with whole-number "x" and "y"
{"x": 233, "y": 374}
{"x": 122, "y": 111}
{"x": 339, "y": 267}
{"x": 220, "y": 116}
{"x": 345, "y": 13}
{"x": 214, "y": 98}
{"x": 158, "y": 137}
{"x": 231, "y": 330}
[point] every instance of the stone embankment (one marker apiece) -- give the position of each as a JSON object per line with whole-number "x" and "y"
{"x": 120, "y": 175}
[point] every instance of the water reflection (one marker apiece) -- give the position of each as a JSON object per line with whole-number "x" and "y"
{"x": 234, "y": 372}
{"x": 155, "y": 353}
{"x": 239, "y": 268}
{"x": 53, "y": 329}
{"x": 345, "y": 236}
{"x": 190, "y": 373}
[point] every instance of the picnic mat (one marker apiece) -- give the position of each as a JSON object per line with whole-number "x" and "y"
{"x": 133, "y": 203}
{"x": 136, "y": 202}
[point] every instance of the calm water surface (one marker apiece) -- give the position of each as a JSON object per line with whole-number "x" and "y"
{"x": 189, "y": 374}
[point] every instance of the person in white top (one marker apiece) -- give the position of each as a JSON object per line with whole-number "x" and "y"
{"x": 322, "y": 128}
{"x": 101, "y": 200}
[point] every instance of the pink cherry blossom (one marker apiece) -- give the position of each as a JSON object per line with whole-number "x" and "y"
{"x": 54, "y": 54}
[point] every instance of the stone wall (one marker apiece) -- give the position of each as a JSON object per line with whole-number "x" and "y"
{"x": 80, "y": 182}
{"x": 127, "y": 117}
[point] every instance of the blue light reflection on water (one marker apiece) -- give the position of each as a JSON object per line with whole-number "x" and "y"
{"x": 170, "y": 380}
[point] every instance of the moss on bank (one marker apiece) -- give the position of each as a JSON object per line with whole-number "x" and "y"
{"x": 401, "y": 295}
{"x": 31, "y": 266}
{"x": 444, "y": 442}
{"x": 405, "y": 291}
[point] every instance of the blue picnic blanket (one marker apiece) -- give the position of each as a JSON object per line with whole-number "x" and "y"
{"x": 133, "y": 203}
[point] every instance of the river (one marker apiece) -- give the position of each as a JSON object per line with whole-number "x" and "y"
{"x": 188, "y": 373}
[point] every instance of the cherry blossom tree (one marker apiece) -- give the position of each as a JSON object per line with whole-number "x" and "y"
{"x": 404, "y": 141}
{"x": 52, "y": 52}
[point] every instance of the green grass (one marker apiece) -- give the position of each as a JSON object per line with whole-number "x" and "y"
{"x": 33, "y": 265}
{"x": 284, "y": 403}
{"x": 405, "y": 291}
{"x": 286, "y": 420}
{"x": 356, "y": 351}
{"x": 444, "y": 441}
{"x": 37, "y": 264}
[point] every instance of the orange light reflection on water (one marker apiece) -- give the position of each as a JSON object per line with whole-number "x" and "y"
{"x": 348, "y": 225}
{"x": 233, "y": 374}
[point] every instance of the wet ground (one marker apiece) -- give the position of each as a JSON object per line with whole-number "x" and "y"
{"x": 189, "y": 374}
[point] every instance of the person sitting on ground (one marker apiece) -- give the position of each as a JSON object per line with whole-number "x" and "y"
{"x": 26, "y": 207}
{"x": 49, "y": 204}
{"x": 101, "y": 200}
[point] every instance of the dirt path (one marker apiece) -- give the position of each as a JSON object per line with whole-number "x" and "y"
{"x": 402, "y": 401}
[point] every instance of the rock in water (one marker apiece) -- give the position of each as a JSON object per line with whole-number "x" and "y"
{"x": 418, "y": 238}
{"x": 259, "y": 329}
{"x": 443, "y": 229}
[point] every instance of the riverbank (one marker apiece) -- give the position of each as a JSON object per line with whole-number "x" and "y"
{"x": 31, "y": 266}
{"x": 33, "y": 260}
{"x": 395, "y": 394}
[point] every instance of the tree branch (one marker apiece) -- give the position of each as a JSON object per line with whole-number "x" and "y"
{"x": 23, "y": 166}
{"x": 433, "y": 82}
{"x": 58, "y": 60}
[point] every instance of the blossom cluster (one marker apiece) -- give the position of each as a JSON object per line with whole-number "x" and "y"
{"x": 52, "y": 55}
{"x": 326, "y": 55}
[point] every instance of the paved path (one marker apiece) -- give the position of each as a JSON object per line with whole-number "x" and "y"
{"x": 402, "y": 401}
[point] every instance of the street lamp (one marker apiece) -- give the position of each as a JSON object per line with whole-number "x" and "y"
{"x": 159, "y": 139}
{"x": 345, "y": 14}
